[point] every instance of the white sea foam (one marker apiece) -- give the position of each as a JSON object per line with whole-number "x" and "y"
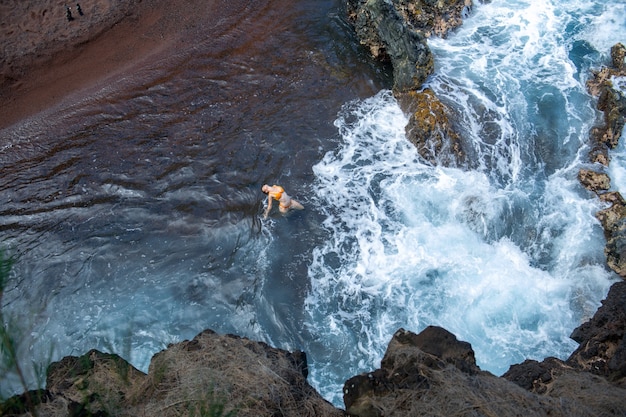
{"x": 512, "y": 268}
{"x": 605, "y": 23}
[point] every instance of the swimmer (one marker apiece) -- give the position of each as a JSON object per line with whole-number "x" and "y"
{"x": 276, "y": 192}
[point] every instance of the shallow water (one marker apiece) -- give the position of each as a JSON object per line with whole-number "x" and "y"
{"x": 135, "y": 212}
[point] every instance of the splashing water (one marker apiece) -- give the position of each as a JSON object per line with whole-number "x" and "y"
{"x": 508, "y": 254}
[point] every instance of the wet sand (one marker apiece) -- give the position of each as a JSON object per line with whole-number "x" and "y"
{"x": 47, "y": 59}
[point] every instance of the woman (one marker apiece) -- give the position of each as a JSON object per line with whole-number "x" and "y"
{"x": 276, "y": 192}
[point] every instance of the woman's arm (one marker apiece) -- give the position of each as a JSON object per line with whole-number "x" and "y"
{"x": 269, "y": 205}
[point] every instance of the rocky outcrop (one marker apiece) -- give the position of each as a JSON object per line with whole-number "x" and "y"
{"x": 426, "y": 374}
{"x": 385, "y": 31}
{"x": 612, "y": 102}
{"x": 602, "y": 339}
{"x": 435, "y": 17}
{"x": 434, "y": 374}
{"x": 396, "y": 31}
{"x": 430, "y": 128}
{"x": 211, "y": 375}
{"x": 595, "y": 373}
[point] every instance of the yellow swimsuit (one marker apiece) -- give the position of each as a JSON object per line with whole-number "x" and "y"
{"x": 277, "y": 195}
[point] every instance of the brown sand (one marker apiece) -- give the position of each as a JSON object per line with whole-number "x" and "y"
{"x": 45, "y": 58}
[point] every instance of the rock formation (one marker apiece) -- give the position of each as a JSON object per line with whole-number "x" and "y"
{"x": 396, "y": 31}
{"x": 595, "y": 374}
{"x": 211, "y": 375}
{"x": 426, "y": 374}
{"x": 430, "y": 128}
{"x": 612, "y": 102}
{"x": 433, "y": 374}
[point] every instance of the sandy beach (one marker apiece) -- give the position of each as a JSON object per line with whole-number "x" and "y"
{"x": 47, "y": 57}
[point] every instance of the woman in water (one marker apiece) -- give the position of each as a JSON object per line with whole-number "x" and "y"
{"x": 276, "y": 192}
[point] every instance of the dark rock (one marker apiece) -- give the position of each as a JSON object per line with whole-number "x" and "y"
{"x": 613, "y": 220}
{"x": 595, "y": 374}
{"x": 435, "y": 17}
{"x": 430, "y": 128}
{"x": 612, "y": 102}
{"x": 24, "y": 403}
{"x": 602, "y": 339}
{"x": 618, "y": 52}
{"x": 594, "y": 181}
{"x": 534, "y": 376}
{"x": 427, "y": 374}
{"x": 209, "y": 375}
{"x": 396, "y": 31}
{"x": 434, "y": 374}
{"x": 385, "y": 32}
{"x": 92, "y": 383}
{"x": 249, "y": 378}
{"x": 434, "y": 341}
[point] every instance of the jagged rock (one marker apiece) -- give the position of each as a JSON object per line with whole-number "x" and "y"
{"x": 594, "y": 181}
{"x": 610, "y": 216}
{"x": 427, "y": 374}
{"x": 434, "y": 341}
{"x": 618, "y": 53}
{"x": 584, "y": 393}
{"x": 101, "y": 377}
{"x": 249, "y": 377}
{"x": 430, "y": 129}
{"x": 434, "y": 374}
{"x": 396, "y": 31}
{"x": 382, "y": 29}
{"x": 209, "y": 375}
{"x": 615, "y": 250}
{"x": 534, "y": 376}
{"x": 613, "y": 221}
{"x": 595, "y": 373}
{"x": 435, "y": 17}
{"x": 612, "y": 102}
{"x": 602, "y": 339}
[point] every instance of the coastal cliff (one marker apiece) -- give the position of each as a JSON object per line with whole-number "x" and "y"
{"x": 426, "y": 374}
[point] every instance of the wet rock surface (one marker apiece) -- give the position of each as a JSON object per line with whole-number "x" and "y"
{"x": 434, "y": 374}
{"x": 387, "y": 34}
{"x": 397, "y": 32}
{"x": 604, "y": 85}
{"x": 431, "y": 129}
